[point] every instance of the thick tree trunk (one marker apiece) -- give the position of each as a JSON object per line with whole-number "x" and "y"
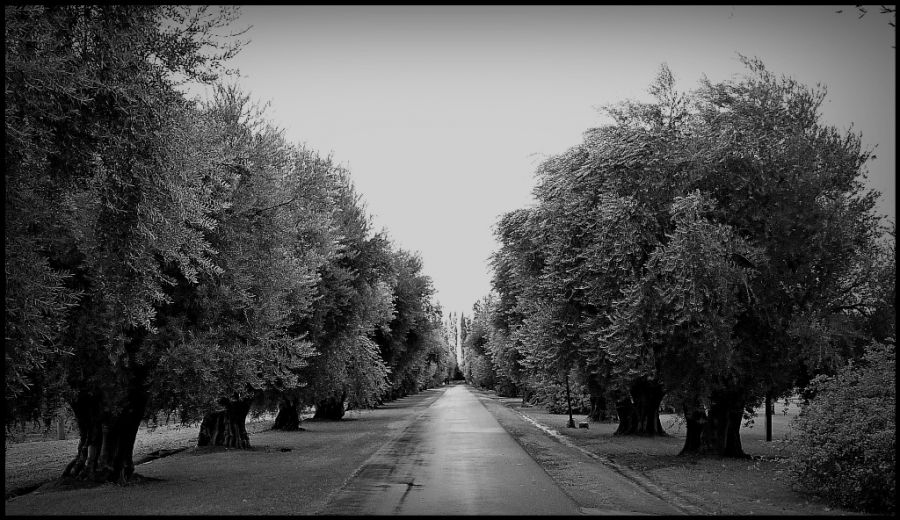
{"x": 288, "y": 418}
{"x": 331, "y": 408}
{"x": 647, "y": 396}
{"x": 695, "y": 418}
{"x": 599, "y": 411}
{"x": 733, "y": 446}
{"x": 639, "y": 415}
{"x": 106, "y": 438}
{"x": 716, "y": 432}
{"x": 226, "y": 427}
{"x": 627, "y": 420}
{"x": 109, "y": 404}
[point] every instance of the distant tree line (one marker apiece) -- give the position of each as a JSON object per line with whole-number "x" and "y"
{"x": 164, "y": 254}
{"x": 705, "y": 251}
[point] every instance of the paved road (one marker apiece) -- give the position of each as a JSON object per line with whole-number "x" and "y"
{"x": 451, "y": 450}
{"x": 455, "y": 459}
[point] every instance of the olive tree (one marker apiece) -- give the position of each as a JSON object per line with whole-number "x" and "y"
{"x": 103, "y": 200}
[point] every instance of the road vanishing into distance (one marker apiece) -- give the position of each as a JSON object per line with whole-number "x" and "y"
{"x": 456, "y": 459}
{"x": 452, "y": 450}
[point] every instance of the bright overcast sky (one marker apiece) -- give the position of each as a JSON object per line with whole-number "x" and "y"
{"x": 442, "y": 113}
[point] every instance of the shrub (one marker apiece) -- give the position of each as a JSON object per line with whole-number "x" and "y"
{"x": 844, "y": 446}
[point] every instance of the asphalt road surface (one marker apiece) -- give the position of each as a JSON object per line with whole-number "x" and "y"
{"x": 454, "y": 459}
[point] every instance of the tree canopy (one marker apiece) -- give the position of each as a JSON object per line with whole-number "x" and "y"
{"x": 172, "y": 254}
{"x": 710, "y": 243}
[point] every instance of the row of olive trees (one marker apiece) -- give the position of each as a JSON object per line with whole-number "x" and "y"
{"x": 165, "y": 254}
{"x": 715, "y": 248}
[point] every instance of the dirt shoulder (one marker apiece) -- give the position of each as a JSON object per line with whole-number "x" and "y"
{"x": 284, "y": 473}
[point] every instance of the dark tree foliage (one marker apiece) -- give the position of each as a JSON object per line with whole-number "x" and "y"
{"x": 479, "y": 368}
{"x": 412, "y": 345}
{"x": 231, "y": 330}
{"x": 491, "y": 360}
{"x": 352, "y": 301}
{"x": 375, "y": 332}
{"x": 167, "y": 255}
{"x": 716, "y": 246}
{"x": 97, "y": 204}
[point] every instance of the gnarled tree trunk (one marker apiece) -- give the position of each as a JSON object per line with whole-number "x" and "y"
{"x": 288, "y": 418}
{"x": 639, "y": 414}
{"x": 695, "y": 420}
{"x": 716, "y": 431}
{"x": 599, "y": 409}
{"x": 226, "y": 427}
{"x": 107, "y": 434}
{"x": 647, "y": 396}
{"x": 331, "y": 408}
{"x": 626, "y": 413}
